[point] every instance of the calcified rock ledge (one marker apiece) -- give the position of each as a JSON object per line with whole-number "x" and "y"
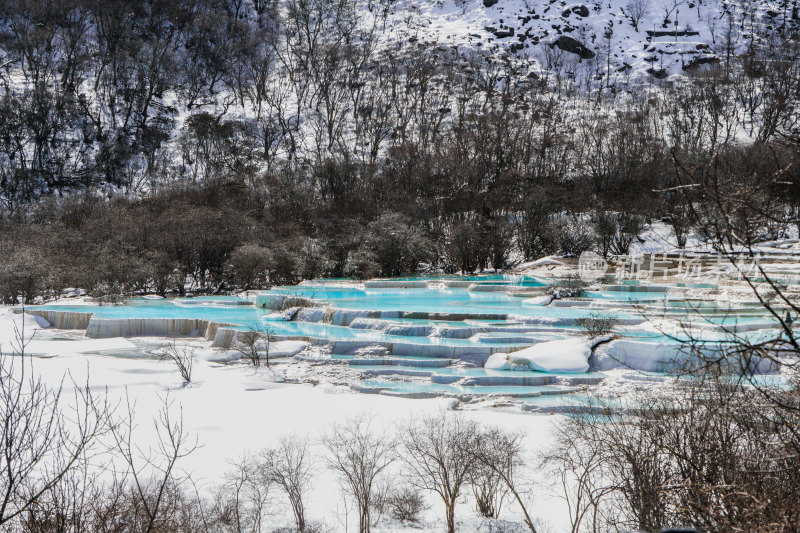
{"x": 221, "y": 334}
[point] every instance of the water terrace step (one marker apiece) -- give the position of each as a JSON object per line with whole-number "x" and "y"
{"x": 512, "y": 380}
{"x": 637, "y": 288}
{"x": 415, "y": 388}
{"x": 63, "y": 319}
{"x": 103, "y": 328}
{"x": 414, "y": 329}
{"x": 395, "y": 284}
{"x": 377, "y": 360}
{"x": 344, "y": 317}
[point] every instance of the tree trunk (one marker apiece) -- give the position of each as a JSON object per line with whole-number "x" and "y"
{"x": 451, "y": 517}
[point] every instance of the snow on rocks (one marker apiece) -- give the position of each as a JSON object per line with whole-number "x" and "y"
{"x": 219, "y": 356}
{"x": 286, "y": 348}
{"x": 567, "y": 355}
{"x": 13, "y": 325}
{"x": 667, "y": 357}
{"x": 539, "y": 300}
{"x": 544, "y": 261}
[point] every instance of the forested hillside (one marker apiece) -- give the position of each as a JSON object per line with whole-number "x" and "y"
{"x": 211, "y": 144}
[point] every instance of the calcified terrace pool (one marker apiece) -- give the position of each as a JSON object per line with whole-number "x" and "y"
{"x": 430, "y": 336}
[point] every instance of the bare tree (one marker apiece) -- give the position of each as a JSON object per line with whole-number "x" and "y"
{"x": 359, "y": 455}
{"x": 154, "y": 480}
{"x": 47, "y": 436}
{"x": 499, "y": 454}
{"x": 290, "y": 466}
{"x": 437, "y": 458}
{"x": 636, "y": 9}
{"x": 580, "y": 472}
{"x": 241, "y": 502}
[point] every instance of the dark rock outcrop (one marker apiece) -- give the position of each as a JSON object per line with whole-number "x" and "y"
{"x": 658, "y": 74}
{"x": 701, "y": 60}
{"x": 671, "y": 33}
{"x": 581, "y": 11}
{"x": 568, "y": 44}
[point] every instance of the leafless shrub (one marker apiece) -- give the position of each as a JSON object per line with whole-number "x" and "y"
{"x": 182, "y": 357}
{"x": 250, "y": 264}
{"x": 359, "y": 455}
{"x": 253, "y": 344}
{"x": 437, "y": 458}
{"x": 127, "y": 505}
{"x": 405, "y": 504}
{"x": 572, "y": 236}
{"x": 488, "y": 489}
{"x": 150, "y": 474}
{"x": 617, "y": 230}
{"x": 380, "y": 499}
{"x": 711, "y": 455}
{"x": 568, "y": 287}
{"x": 597, "y": 325}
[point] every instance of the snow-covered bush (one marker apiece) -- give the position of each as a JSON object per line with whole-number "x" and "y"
{"x": 250, "y": 265}
{"x": 616, "y": 231}
{"x": 568, "y": 287}
{"x": 573, "y": 237}
{"x": 397, "y": 245}
{"x": 361, "y": 264}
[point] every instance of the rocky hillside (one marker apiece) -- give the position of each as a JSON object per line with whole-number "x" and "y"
{"x": 632, "y": 39}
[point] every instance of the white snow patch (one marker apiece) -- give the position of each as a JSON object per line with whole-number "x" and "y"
{"x": 286, "y": 348}
{"x": 539, "y": 300}
{"x": 567, "y": 355}
{"x": 15, "y": 325}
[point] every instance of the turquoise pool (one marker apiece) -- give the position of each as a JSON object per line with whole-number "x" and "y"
{"x": 421, "y": 325}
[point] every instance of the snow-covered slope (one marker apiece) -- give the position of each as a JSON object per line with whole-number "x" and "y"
{"x": 629, "y": 38}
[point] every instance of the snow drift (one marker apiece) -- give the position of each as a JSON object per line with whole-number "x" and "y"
{"x": 568, "y": 355}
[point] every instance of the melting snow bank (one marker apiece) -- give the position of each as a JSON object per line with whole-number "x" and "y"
{"x": 15, "y": 325}
{"x": 568, "y": 355}
{"x": 669, "y": 357}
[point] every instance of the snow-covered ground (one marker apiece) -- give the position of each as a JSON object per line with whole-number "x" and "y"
{"x": 631, "y": 38}
{"x": 232, "y": 410}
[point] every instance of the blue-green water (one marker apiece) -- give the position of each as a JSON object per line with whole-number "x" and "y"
{"x": 421, "y": 329}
